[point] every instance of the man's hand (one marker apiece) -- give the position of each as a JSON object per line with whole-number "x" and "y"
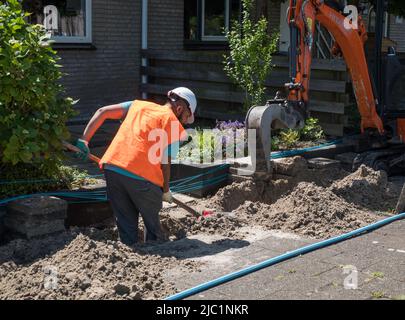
{"x": 167, "y": 196}
{"x": 83, "y": 145}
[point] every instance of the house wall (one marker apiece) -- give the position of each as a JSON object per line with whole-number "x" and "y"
{"x": 110, "y": 73}
{"x": 165, "y": 23}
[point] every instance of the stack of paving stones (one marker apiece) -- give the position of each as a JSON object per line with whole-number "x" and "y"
{"x": 36, "y": 216}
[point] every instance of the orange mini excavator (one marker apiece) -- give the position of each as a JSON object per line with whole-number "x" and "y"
{"x": 379, "y": 99}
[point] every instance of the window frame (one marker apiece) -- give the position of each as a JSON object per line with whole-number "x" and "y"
{"x": 209, "y": 42}
{"x": 202, "y": 23}
{"x": 88, "y": 38}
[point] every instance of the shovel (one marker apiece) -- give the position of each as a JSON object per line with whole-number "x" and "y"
{"x": 202, "y": 215}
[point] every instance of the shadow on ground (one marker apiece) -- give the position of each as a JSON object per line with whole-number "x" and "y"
{"x": 192, "y": 248}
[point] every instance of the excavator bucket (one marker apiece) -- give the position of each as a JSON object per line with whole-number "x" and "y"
{"x": 276, "y": 114}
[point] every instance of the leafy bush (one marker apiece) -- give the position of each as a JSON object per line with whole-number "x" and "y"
{"x": 32, "y": 110}
{"x": 290, "y": 138}
{"x": 312, "y": 130}
{"x": 249, "y": 61}
{"x": 32, "y": 179}
{"x": 226, "y": 139}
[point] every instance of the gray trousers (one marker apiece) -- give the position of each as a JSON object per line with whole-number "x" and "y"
{"x": 129, "y": 198}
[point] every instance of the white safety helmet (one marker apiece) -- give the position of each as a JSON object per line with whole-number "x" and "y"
{"x": 187, "y": 95}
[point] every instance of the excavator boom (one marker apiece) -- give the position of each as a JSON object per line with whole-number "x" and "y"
{"x": 291, "y": 112}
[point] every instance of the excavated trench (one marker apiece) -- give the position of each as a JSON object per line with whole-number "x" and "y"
{"x": 313, "y": 202}
{"x": 92, "y": 264}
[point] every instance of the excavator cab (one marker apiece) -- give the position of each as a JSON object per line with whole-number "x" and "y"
{"x": 393, "y": 111}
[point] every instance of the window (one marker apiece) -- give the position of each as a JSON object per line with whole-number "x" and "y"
{"x": 208, "y": 20}
{"x": 69, "y": 21}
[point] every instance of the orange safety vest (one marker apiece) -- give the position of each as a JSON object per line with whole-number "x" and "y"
{"x": 141, "y": 139}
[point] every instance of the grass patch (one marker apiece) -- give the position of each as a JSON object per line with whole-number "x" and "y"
{"x": 377, "y": 275}
{"x": 378, "y": 295}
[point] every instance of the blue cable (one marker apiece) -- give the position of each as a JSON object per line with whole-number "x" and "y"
{"x": 286, "y": 256}
{"x": 290, "y": 153}
{"x": 101, "y": 195}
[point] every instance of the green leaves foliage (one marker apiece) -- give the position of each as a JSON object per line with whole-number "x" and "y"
{"x": 290, "y": 138}
{"x": 33, "y": 110}
{"x": 249, "y": 61}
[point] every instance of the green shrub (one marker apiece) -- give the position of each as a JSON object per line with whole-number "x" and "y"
{"x": 33, "y": 110}
{"x": 289, "y": 138}
{"x": 33, "y": 179}
{"x": 312, "y": 130}
{"x": 249, "y": 61}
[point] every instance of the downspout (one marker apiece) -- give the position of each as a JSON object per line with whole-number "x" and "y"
{"x": 144, "y": 43}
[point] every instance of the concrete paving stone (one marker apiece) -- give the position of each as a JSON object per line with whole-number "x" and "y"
{"x": 323, "y": 254}
{"x": 338, "y": 278}
{"x": 267, "y": 281}
{"x": 392, "y": 228}
{"x": 248, "y": 259}
{"x": 213, "y": 294}
{"x": 301, "y": 266}
{"x": 361, "y": 247}
{"x": 386, "y": 270}
{"x": 360, "y": 261}
{"x": 282, "y": 245}
{"x": 337, "y": 294}
{"x": 389, "y": 236}
{"x": 383, "y": 288}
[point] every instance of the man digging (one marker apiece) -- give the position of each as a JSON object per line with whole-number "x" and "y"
{"x": 137, "y": 172}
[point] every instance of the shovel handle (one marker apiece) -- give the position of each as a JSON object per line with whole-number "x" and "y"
{"x": 73, "y": 148}
{"x": 186, "y": 207}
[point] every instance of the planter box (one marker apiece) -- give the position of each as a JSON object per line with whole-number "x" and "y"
{"x": 210, "y": 178}
{"x": 36, "y": 216}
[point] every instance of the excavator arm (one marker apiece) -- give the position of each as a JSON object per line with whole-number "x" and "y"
{"x": 291, "y": 112}
{"x": 349, "y": 42}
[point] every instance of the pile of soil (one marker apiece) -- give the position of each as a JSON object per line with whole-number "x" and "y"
{"x": 309, "y": 210}
{"x": 92, "y": 263}
{"x": 319, "y": 208}
{"x": 365, "y": 187}
{"x": 86, "y": 265}
{"x": 313, "y": 211}
{"x": 233, "y": 195}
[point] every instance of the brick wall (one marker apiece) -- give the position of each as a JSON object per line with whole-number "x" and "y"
{"x": 165, "y": 23}
{"x": 110, "y": 73}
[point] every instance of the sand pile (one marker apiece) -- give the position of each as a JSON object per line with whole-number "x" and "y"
{"x": 313, "y": 211}
{"x": 308, "y": 210}
{"x": 233, "y": 195}
{"x": 365, "y": 187}
{"x": 86, "y": 267}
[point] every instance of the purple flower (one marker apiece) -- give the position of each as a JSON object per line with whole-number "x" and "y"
{"x": 233, "y": 125}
